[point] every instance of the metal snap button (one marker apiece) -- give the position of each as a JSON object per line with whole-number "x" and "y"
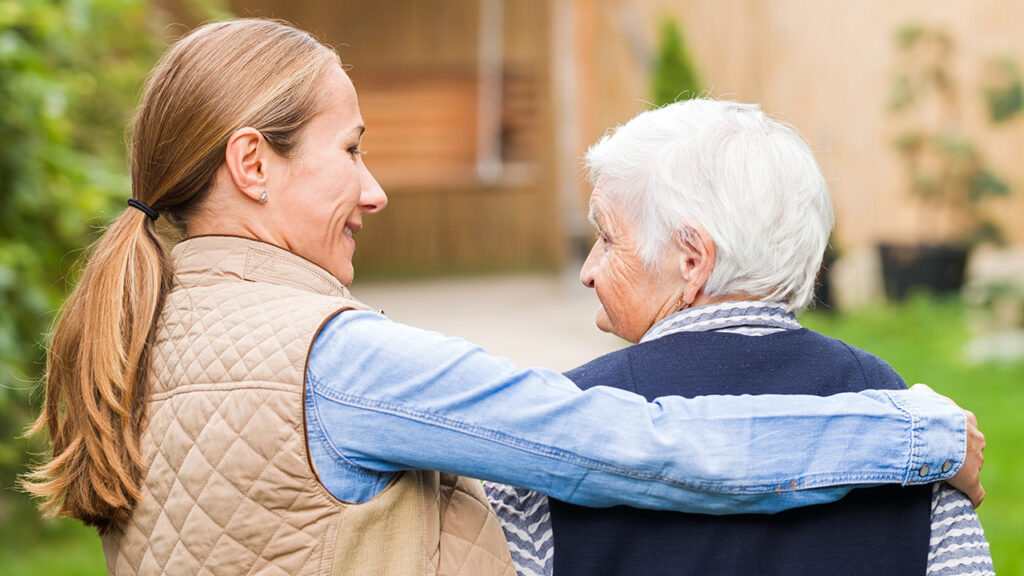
{"x": 924, "y": 470}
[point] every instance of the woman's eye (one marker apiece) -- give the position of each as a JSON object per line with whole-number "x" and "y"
{"x": 355, "y": 151}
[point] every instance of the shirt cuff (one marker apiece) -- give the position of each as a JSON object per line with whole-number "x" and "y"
{"x": 938, "y": 442}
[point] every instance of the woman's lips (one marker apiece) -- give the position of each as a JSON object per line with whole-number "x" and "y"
{"x": 350, "y": 230}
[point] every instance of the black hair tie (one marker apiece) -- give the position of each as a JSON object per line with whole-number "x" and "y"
{"x": 153, "y": 214}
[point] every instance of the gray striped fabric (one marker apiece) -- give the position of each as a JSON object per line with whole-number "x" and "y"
{"x": 957, "y": 547}
{"x": 526, "y": 521}
{"x": 748, "y": 318}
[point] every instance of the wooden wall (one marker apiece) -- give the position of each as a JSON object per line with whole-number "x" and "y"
{"x": 415, "y": 67}
{"x": 826, "y": 67}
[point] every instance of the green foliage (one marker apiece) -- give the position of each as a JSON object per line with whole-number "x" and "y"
{"x": 1004, "y": 92}
{"x": 69, "y": 76}
{"x": 908, "y": 35}
{"x": 926, "y": 53}
{"x": 674, "y": 76}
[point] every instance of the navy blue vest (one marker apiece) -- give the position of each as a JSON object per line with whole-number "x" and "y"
{"x": 875, "y": 531}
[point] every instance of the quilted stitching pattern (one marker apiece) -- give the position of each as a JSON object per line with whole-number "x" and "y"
{"x": 228, "y": 488}
{"x": 467, "y": 531}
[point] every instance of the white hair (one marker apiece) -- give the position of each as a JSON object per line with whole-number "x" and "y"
{"x": 750, "y": 181}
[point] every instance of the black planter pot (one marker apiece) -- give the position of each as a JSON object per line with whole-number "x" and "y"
{"x": 824, "y": 298}
{"x": 938, "y": 268}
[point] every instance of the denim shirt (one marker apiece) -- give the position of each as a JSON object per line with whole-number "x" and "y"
{"x": 382, "y": 397}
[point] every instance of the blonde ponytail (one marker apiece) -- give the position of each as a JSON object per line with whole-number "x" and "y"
{"x": 96, "y": 375}
{"x": 221, "y": 77}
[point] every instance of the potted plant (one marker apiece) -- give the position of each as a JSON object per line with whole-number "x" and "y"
{"x": 946, "y": 172}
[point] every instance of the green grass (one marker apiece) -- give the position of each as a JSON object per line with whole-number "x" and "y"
{"x": 61, "y": 547}
{"x": 923, "y": 340}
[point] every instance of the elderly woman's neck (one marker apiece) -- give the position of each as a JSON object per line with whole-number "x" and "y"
{"x": 702, "y": 299}
{"x": 705, "y": 300}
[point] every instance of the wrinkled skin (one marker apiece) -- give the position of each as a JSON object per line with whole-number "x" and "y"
{"x": 632, "y": 296}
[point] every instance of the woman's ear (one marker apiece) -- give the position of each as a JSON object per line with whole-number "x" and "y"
{"x": 696, "y": 260}
{"x": 246, "y": 161}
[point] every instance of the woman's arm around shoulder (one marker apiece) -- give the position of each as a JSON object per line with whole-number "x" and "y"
{"x": 392, "y": 397}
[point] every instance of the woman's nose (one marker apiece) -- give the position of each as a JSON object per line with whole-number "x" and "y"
{"x": 590, "y": 266}
{"x": 372, "y": 197}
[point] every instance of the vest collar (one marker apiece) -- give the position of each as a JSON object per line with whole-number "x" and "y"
{"x": 205, "y": 259}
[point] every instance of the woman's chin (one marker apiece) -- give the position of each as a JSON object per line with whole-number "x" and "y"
{"x": 604, "y": 323}
{"x": 344, "y": 273}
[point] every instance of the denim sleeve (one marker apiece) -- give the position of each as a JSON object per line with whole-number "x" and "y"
{"x": 388, "y": 397}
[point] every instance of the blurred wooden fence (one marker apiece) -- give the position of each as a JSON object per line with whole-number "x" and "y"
{"x": 478, "y": 160}
{"x": 461, "y": 145}
{"x": 827, "y": 68}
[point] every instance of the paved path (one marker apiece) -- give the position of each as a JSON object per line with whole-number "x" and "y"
{"x": 535, "y": 319}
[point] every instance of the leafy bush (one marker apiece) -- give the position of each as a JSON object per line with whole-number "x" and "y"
{"x": 69, "y": 77}
{"x": 674, "y": 76}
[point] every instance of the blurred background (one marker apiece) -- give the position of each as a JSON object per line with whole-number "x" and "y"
{"x": 478, "y": 113}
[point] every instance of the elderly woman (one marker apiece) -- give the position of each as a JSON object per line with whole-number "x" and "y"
{"x": 712, "y": 220}
{"x": 231, "y": 408}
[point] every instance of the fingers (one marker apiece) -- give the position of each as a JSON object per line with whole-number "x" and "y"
{"x": 977, "y": 495}
{"x": 970, "y": 484}
{"x": 972, "y": 420}
{"x": 968, "y": 479}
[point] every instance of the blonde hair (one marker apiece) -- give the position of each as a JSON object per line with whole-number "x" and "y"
{"x": 219, "y": 78}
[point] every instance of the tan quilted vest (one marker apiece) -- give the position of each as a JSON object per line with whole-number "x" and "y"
{"x": 229, "y": 487}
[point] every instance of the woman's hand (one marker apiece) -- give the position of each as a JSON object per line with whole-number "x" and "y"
{"x": 968, "y": 479}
